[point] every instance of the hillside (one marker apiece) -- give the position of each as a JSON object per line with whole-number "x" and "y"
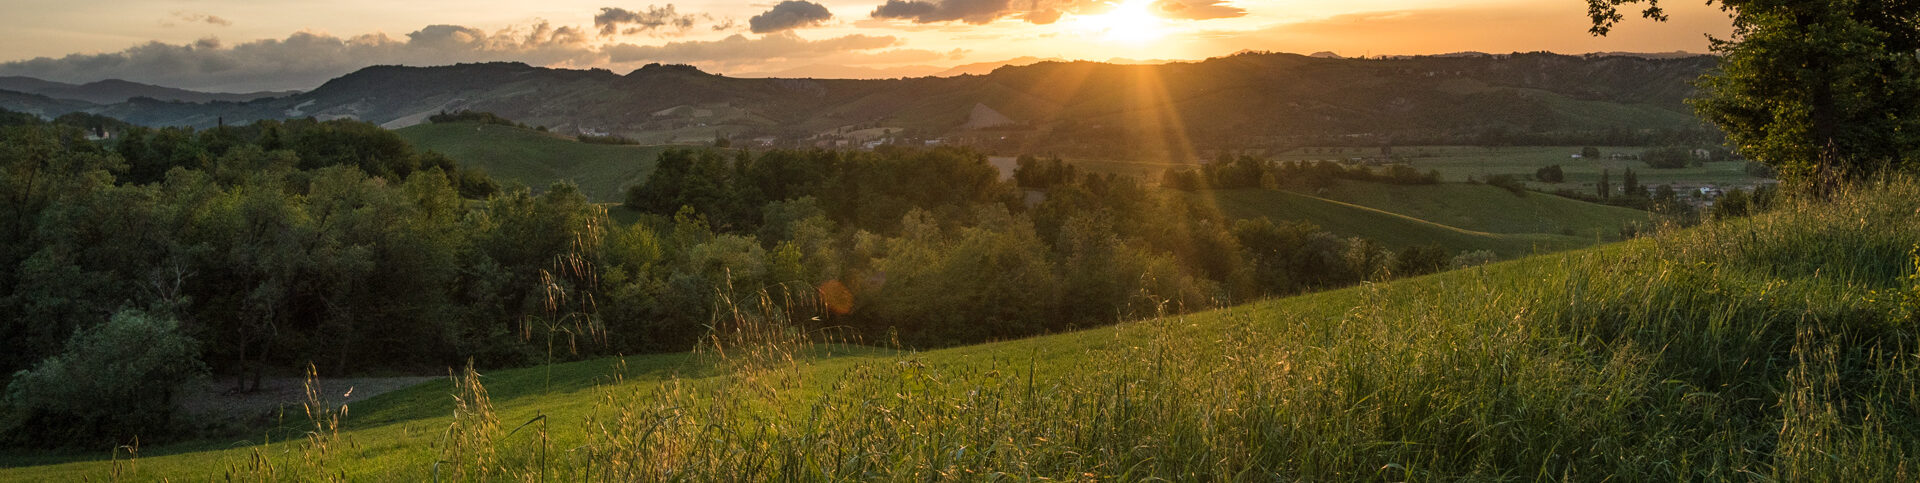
{"x": 1401, "y": 230}
{"x": 1490, "y": 209}
{"x": 112, "y": 91}
{"x": 40, "y": 105}
{"x": 1160, "y": 110}
{"x": 1778, "y": 347}
{"x": 537, "y": 159}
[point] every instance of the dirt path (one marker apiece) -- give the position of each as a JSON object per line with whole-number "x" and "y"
{"x": 209, "y": 400}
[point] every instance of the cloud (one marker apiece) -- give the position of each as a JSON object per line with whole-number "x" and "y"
{"x": 656, "y": 21}
{"x": 1197, "y": 9}
{"x": 1041, "y": 12}
{"x": 929, "y": 11}
{"x": 789, "y": 15}
{"x": 738, "y": 49}
{"x": 1494, "y": 29}
{"x": 306, "y": 59}
{"x": 196, "y": 17}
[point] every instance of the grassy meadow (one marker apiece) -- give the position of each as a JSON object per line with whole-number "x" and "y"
{"x": 1458, "y": 163}
{"x": 1487, "y": 208}
{"x": 1779, "y": 347}
{"x": 1499, "y": 225}
{"x": 536, "y": 159}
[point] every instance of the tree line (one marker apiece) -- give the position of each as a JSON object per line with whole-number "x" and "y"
{"x": 1246, "y": 171}
{"x": 133, "y": 262}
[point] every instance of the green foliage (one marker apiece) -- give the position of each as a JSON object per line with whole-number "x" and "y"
{"x": 1551, "y": 174}
{"x": 1731, "y": 205}
{"x": 530, "y": 158}
{"x": 1605, "y": 186}
{"x": 481, "y": 117}
{"x": 1823, "y": 90}
{"x": 1508, "y": 182}
{"x": 1037, "y": 173}
{"x": 1670, "y": 157}
{"x": 1775, "y": 346}
{"x": 1245, "y": 171}
{"x": 1420, "y": 260}
{"x": 613, "y": 139}
{"x": 1630, "y": 185}
{"x": 110, "y": 384}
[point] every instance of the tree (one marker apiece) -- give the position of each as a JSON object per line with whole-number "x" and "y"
{"x": 1630, "y": 185}
{"x": 1671, "y": 157}
{"x": 1604, "y": 187}
{"x": 1823, "y": 90}
{"x": 112, "y": 381}
{"x": 1590, "y": 152}
{"x": 1550, "y": 174}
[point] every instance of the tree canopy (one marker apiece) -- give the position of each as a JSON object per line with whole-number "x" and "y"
{"x": 1822, "y": 90}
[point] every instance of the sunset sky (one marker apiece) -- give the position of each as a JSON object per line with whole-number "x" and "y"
{"x": 243, "y": 45}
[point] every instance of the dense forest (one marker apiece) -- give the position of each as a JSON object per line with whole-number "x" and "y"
{"x": 258, "y": 249}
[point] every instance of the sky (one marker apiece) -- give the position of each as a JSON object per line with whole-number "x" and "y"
{"x": 253, "y": 45}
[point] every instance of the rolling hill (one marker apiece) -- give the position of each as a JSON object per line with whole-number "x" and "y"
{"x": 1776, "y": 347}
{"x": 1490, "y": 209}
{"x": 1401, "y": 230}
{"x": 1145, "y": 111}
{"x": 112, "y": 91}
{"x": 537, "y": 159}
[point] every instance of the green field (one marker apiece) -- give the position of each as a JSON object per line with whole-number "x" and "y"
{"x": 1774, "y": 348}
{"x": 1487, "y": 208}
{"x": 1401, "y": 216}
{"x": 537, "y": 159}
{"x": 1458, "y": 163}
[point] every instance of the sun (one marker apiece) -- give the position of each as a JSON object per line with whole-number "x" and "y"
{"x": 1130, "y": 21}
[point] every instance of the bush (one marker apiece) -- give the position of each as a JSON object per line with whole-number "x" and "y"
{"x": 1550, "y": 174}
{"x": 112, "y": 382}
{"x": 1507, "y": 182}
{"x": 1473, "y": 259}
{"x": 1420, "y": 260}
{"x": 481, "y": 117}
{"x": 1668, "y": 157}
{"x": 607, "y": 139}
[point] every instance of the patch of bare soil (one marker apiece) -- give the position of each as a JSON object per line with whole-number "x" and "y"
{"x": 212, "y": 400}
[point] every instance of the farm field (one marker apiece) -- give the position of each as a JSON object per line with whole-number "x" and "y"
{"x": 1398, "y": 230}
{"x": 1458, "y": 163}
{"x": 1485, "y": 208}
{"x": 537, "y": 159}
{"x": 1693, "y": 353}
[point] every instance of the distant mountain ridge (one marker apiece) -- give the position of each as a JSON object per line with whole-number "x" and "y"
{"x": 113, "y": 91}
{"x": 1226, "y": 100}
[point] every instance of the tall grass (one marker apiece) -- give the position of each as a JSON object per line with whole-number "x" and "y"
{"x": 1781, "y": 347}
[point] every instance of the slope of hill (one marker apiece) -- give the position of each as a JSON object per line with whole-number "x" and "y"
{"x": 1393, "y": 229}
{"x": 1245, "y": 98}
{"x": 40, "y": 105}
{"x": 1488, "y": 209}
{"x": 537, "y": 159}
{"x": 115, "y": 90}
{"x": 1778, "y": 347}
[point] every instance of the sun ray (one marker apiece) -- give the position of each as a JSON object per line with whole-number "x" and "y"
{"x": 1128, "y": 22}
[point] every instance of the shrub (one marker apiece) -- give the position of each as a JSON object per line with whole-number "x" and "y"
{"x": 1550, "y": 174}
{"x": 1668, "y": 157}
{"x": 1473, "y": 259}
{"x": 607, "y": 139}
{"x": 112, "y": 382}
{"x": 1420, "y": 260}
{"x": 1507, "y": 182}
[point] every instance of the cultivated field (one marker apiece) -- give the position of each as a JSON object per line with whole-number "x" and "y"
{"x": 537, "y": 159}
